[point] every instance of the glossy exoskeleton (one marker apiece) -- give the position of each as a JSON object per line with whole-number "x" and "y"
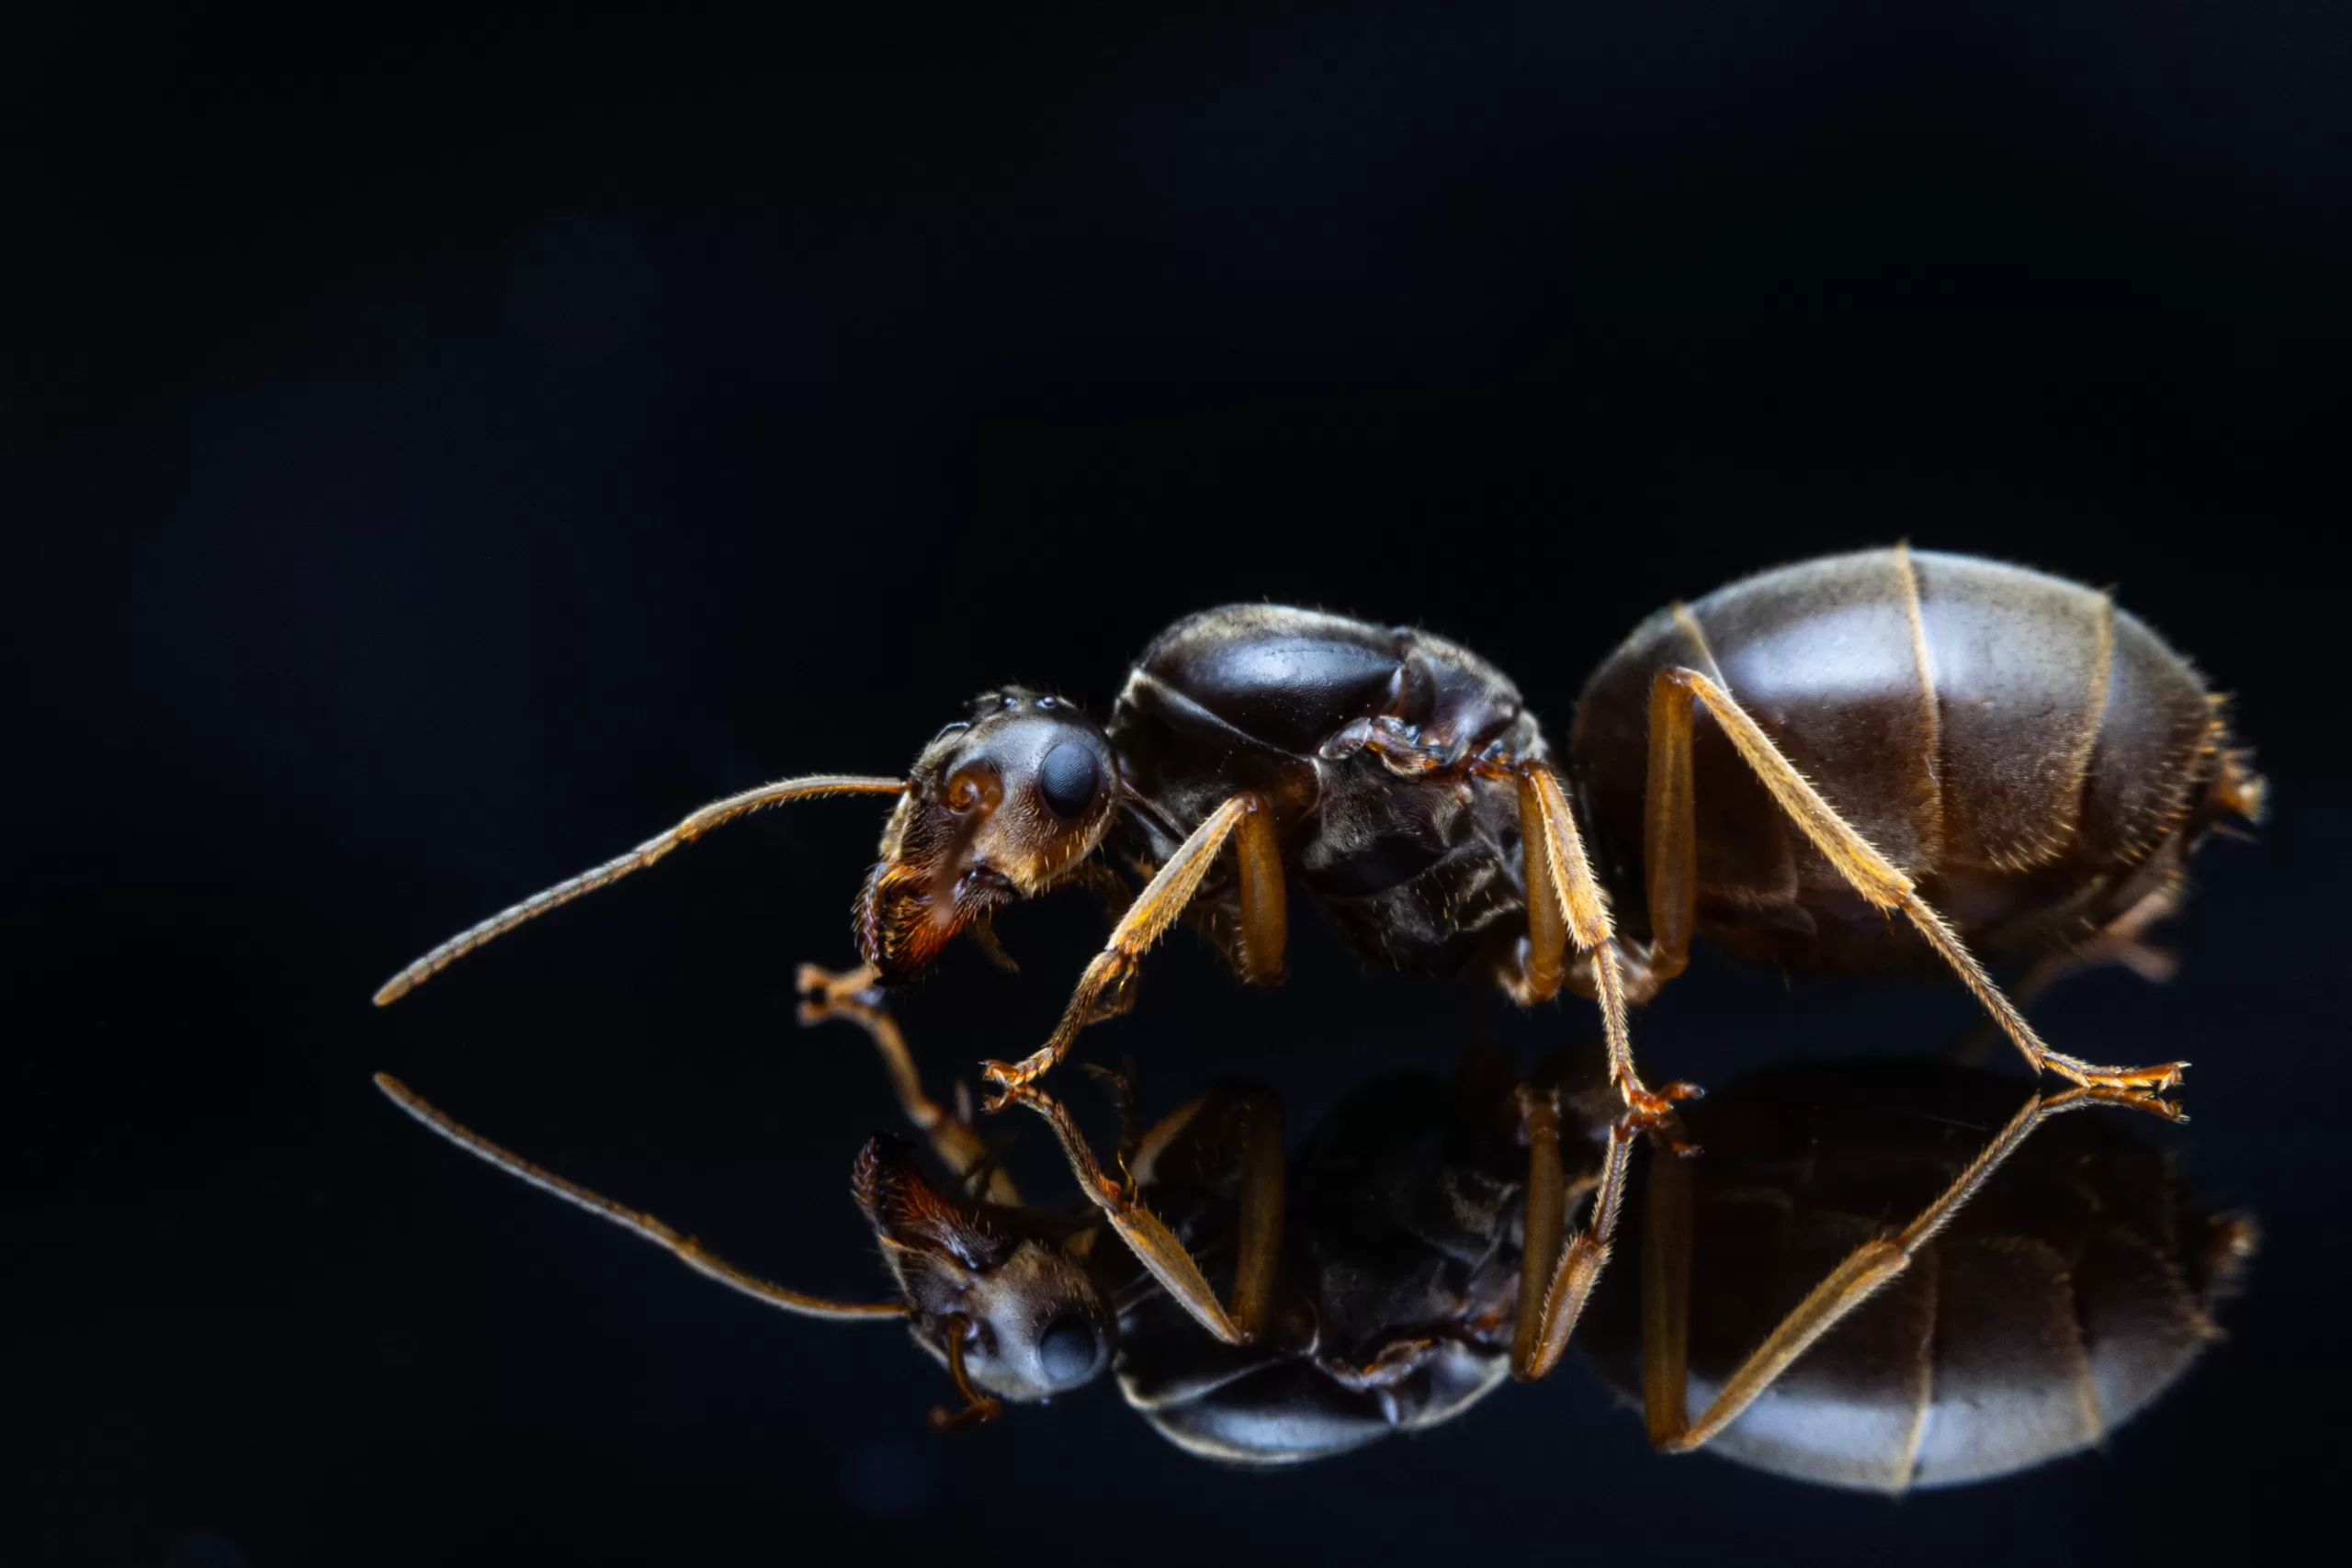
{"x": 1879, "y": 1275}
{"x": 2007, "y": 760}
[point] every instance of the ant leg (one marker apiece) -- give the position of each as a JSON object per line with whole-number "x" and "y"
{"x": 1155, "y": 1246}
{"x": 1665, "y": 1299}
{"x": 1872, "y": 875}
{"x": 1669, "y": 844}
{"x": 1560, "y": 884}
{"x": 823, "y": 991}
{"x": 684, "y": 1249}
{"x": 1121, "y": 1087}
{"x": 851, "y": 997}
{"x": 1249, "y": 822}
{"x": 2120, "y": 941}
{"x": 637, "y": 859}
{"x": 1258, "y": 1225}
{"x": 1556, "y": 1282}
{"x": 1666, "y": 1318}
{"x": 1241, "y": 1142}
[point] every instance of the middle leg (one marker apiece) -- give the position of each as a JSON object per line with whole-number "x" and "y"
{"x": 1564, "y": 904}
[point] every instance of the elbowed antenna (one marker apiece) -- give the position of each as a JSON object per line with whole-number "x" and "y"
{"x": 684, "y": 1247}
{"x": 645, "y": 854}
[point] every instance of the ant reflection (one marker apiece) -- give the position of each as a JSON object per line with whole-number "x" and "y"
{"x": 1876, "y": 1275}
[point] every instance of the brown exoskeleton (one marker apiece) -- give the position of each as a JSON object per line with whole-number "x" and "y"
{"x": 1877, "y": 1275}
{"x": 2008, "y": 760}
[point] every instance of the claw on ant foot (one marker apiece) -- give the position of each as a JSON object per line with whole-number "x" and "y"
{"x": 1649, "y": 1105}
{"x": 1008, "y": 1083}
{"x": 1652, "y": 1111}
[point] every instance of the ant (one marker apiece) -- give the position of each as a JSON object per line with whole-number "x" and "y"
{"x": 2007, "y": 760}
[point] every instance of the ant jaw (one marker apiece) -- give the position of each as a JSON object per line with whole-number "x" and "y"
{"x": 900, "y": 925}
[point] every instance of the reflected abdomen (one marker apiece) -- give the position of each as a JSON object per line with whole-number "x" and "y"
{"x": 2075, "y": 1289}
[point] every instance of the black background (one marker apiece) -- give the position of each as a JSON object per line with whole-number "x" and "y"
{"x": 439, "y": 451}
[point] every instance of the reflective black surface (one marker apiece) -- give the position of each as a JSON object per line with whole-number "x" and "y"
{"x": 2049, "y": 1275}
{"x": 439, "y": 452}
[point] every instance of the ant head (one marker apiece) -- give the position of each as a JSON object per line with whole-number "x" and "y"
{"x": 1018, "y": 1315}
{"x": 998, "y": 807}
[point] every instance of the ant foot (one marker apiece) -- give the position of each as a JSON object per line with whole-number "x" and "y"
{"x": 1652, "y": 1111}
{"x": 2150, "y": 1103}
{"x": 2130, "y": 1099}
{"x": 2165, "y": 1075}
{"x": 1651, "y": 1105}
{"x": 1010, "y": 1078}
{"x": 824, "y": 994}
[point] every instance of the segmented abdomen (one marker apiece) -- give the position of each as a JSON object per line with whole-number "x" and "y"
{"x": 1982, "y": 725}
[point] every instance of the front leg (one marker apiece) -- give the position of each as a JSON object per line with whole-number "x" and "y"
{"x": 1248, "y": 820}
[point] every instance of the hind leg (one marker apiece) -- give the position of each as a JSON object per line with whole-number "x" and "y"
{"x": 2121, "y": 941}
{"x": 1672, "y": 696}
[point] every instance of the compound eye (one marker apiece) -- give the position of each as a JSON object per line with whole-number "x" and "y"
{"x": 1069, "y": 779}
{"x": 1070, "y": 1350}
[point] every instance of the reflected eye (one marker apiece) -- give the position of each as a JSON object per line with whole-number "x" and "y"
{"x": 1070, "y": 1350}
{"x": 1068, "y": 780}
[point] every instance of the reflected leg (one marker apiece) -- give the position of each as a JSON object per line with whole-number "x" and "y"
{"x": 1556, "y": 1282}
{"x": 1665, "y": 1320}
{"x": 851, "y": 998}
{"x": 1156, "y": 1248}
